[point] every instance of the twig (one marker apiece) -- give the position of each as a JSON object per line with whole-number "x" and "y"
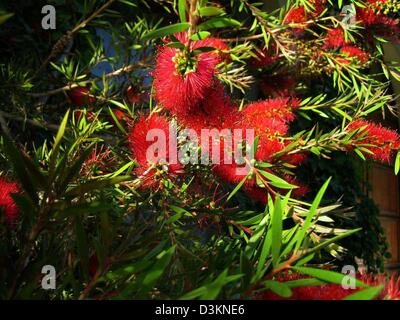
{"x": 60, "y": 44}
{"x": 71, "y": 86}
{"x": 192, "y": 17}
{"x": 35, "y": 123}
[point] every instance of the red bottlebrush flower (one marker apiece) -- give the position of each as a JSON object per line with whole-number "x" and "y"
{"x": 216, "y": 111}
{"x": 296, "y": 15}
{"x": 7, "y": 204}
{"x": 268, "y": 145}
{"x": 221, "y": 52}
{"x": 383, "y": 140}
{"x": 143, "y": 135}
{"x": 392, "y": 288}
{"x": 300, "y": 15}
{"x": 294, "y": 159}
{"x": 380, "y": 18}
{"x": 278, "y": 86}
{"x": 221, "y": 47}
{"x": 257, "y": 194}
{"x": 229, "y": 172}
{"x": 319, "y": 6}
{"x": 269, "y": 119}
{"x": 176, "y": 89}
{"x": 361, "y": 56}
{"x": 264, "y": 58}
{"x": 99, "y": 158}
{"x": 182, "y": 81}
{"x": 269, "y": 116}
{"x": 329, "y": 291}
{"x": 81, "y": 96}
{"x": 335, "y": 39}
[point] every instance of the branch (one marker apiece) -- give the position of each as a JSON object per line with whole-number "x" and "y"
{"x": 71, "y": 86}
{"x": 35, "y": 123}
{"x": 60, "y": 44}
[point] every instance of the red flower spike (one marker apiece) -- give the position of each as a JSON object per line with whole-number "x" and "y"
{"x": 335, "y": 39}
{"x": 215, "y": 111}
{"x": 182, "y": 82}
{"x": 353, "y": 52}
{"x": 374, "y": 19}
{"x": 296, "y": 15}
{"x": 391, "y": 290}
{"x": 139, "y": 146}
{"x": 330, "y": 291}
{"x": 384, "y": 140}
{"x": 7, "y": 204}
{"x": 269, "y": 116}
{"x": 177, "y": 92}
{"x": 301, "y": 15}
{"x": 221, "y": 48}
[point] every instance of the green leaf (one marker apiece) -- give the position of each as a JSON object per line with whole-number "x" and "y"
{"x": 311, "y": 214}
{"x": 327, "y": 275}
{"x": 246, "y": 268}
{"x": 182, "y": 10}
{"x": 25, "y": 205}
{"x": 165, "y": 31}
{"x": 276, "y": 181}
{"x": 255, "y": 238}
{"x": 152, "y": 275}
{"x": 116, "y": 121}
{"x": 180, "y": 212}
{"x": 359, "y": 153}
{"x": 218, "y": 23}
{"x": 5, "y": 16}
{"x": 200, "y": 35}
{"x": 265, "y": 250}
{"x": 61, "y": 130}
{"x": 75, "y": 168}
{"x": 210, "y": 11}
{"x": 240, "y": 184}
{"x": 397, "y": 163}
{"x": 332, "y": 240}
{"x": 367, "y": 294}
{"x": 276, "y": 232}
{"x": 308, "y": 282}
{"x": 56, "y": 147}
{"x": 304, "y": 260}
{"x": 96, "y": 185}
{"x": 279, "y": 288}
{"x": 211, "y": 291}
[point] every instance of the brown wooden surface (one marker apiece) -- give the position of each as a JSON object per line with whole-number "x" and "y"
{"x": 385, "y": 193}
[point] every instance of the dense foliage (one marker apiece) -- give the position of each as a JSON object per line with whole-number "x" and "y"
{"x": 105, "y": 173}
